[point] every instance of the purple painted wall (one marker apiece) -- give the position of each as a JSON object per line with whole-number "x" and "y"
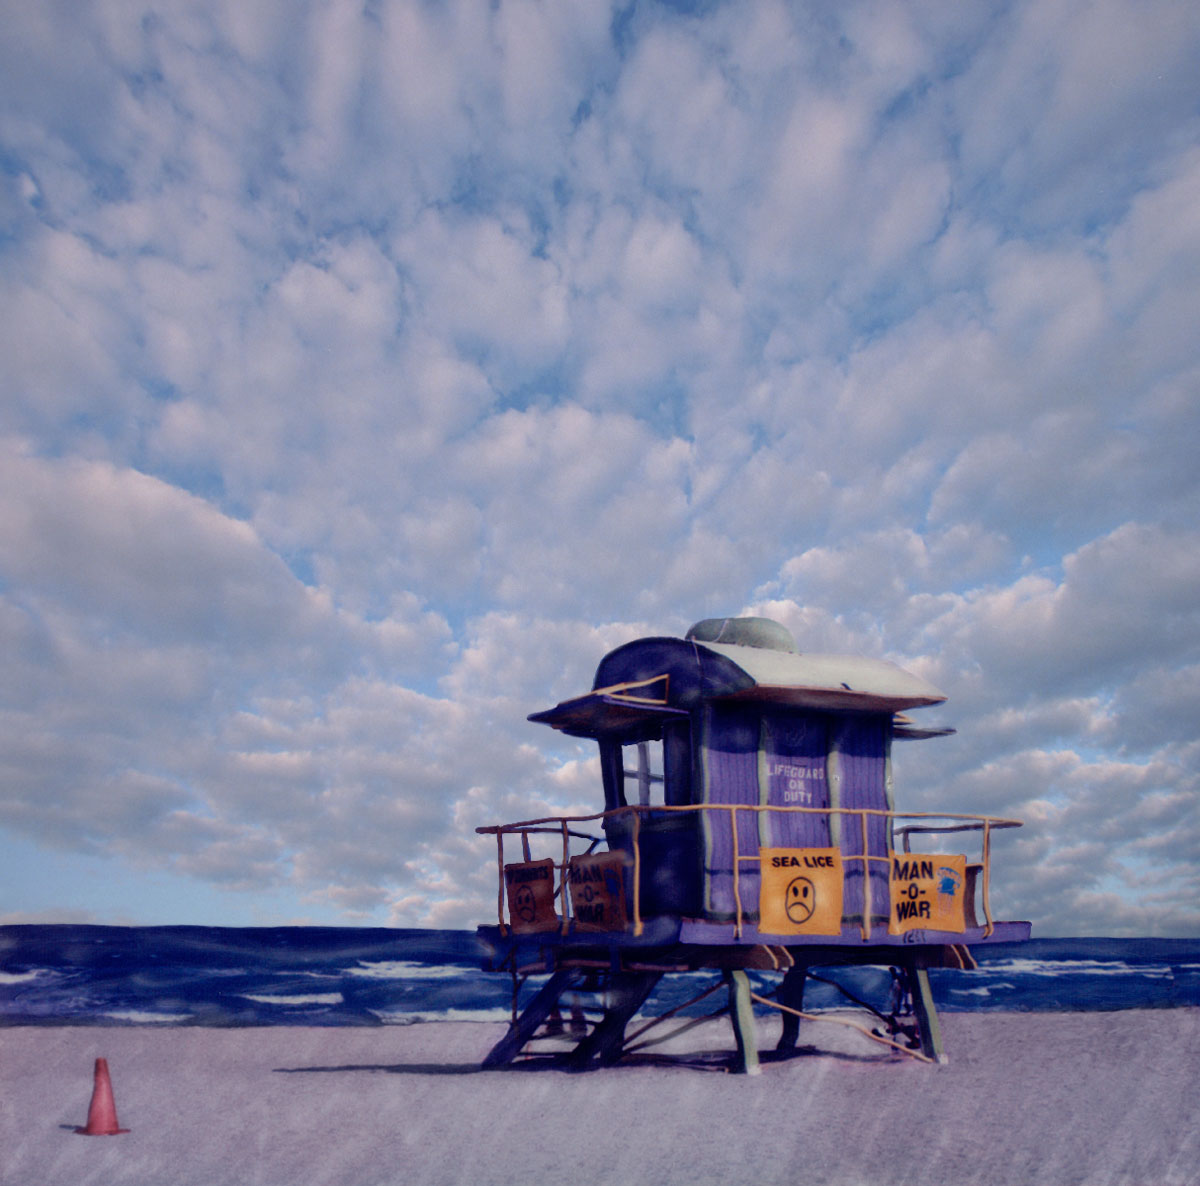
{"x": 862, "y": 759}
{"x": 780, "y": 759}
{"x": 729, "y": 739}
{"x": 793, "y": 775}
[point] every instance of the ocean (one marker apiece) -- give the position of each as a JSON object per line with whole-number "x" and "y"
{"x": 327, "y": 976}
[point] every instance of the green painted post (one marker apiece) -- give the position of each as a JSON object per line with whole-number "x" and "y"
{"x": 741, "y": 1013}
{"x": 925, "y": 1011}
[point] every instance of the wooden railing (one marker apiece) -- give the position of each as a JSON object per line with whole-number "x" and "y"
{"x": 563, "y": 826}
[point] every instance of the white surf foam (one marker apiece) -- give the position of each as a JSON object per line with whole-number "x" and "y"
{"x": 316, "y": 998}
{"x": 406, "y": 970}
{"x": 144, "y": 1017}
{"x": 1043, "y": 967}
{"x": 19, "y": 977}
{"x": 493, "y": 1014}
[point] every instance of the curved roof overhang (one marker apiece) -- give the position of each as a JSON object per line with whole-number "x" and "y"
{"x": 608, "y": 714}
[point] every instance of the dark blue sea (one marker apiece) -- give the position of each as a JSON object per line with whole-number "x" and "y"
{"x": 225, "y": 976}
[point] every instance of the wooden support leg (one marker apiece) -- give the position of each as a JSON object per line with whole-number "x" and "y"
{"x": 627, "y": 992}
{"x": 925, "y": 1011}
{"x": 535, "y": 1013}
{"x": 791, "y": 994}
{"x": 741, "y": 1013}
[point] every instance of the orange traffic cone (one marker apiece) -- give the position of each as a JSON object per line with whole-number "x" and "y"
{"x": 102, "y": 1112}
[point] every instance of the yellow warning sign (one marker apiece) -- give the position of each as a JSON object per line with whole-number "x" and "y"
{"x": 801, "y": 891}
{"x": 927, "y": 892}
{"x": 597, "y": 884}
{"x": 530, "y": 887}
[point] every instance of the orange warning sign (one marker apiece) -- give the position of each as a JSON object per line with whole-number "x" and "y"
{"x": 927, "y": 892}
{"x": 801, "y": 891}
{"x": 530, "y": 887}
{"x": 597, "y": 884}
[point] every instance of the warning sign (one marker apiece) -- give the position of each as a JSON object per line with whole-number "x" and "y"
{"x": 927, "y": 892}
{"x": 530, "y": 887}
{"x": 801, "y": 891}
{"x": 597, "y": 884}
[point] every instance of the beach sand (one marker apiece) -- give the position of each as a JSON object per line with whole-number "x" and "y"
{"x": 1084, "y": 1098}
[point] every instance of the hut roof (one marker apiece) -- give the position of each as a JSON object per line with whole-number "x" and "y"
{"x": 641, "y": 684}
{"x": 827, "y": 681}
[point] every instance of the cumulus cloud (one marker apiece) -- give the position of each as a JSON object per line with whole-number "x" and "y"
{"x": 137, "y": 553}
{"x": 370, "y": 372}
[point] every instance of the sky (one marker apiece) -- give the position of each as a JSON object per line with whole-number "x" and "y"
{"x": 368, "y": 370}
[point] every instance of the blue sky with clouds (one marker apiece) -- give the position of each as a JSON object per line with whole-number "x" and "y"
{"x": 370, "y": 369}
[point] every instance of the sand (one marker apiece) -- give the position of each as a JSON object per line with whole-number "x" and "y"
{"x": 1086, "y": 1098}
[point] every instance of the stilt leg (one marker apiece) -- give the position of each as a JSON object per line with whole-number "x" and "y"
{"x": 925, "y": 1011}
{"x": 741, "y": 1012}
{"x": 535, "y": 1013}
{"x": 791, "y": 994}
{"x": 627, "y": 991}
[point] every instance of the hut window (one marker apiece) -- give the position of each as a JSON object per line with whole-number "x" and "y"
{"x": 642, "y": 771}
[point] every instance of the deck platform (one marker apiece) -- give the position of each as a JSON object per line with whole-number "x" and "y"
{"x": 623, "y": 970}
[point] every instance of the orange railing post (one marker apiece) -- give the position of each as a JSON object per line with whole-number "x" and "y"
{"x": 500, "y": 892}
{"x": 737, "y": 889}
{"x": 987, "y": 876}
{"x": 634, "y": 834}
{"x": 866, "y": 868}
{"x": 562, "y": 879}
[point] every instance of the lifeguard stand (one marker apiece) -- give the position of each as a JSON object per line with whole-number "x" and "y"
{"x": 748, "y": 823}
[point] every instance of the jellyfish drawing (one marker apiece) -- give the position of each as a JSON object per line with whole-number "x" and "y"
{"x": 948, "y": 881}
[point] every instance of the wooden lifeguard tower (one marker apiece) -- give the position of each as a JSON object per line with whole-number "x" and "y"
{"x": 748, "y": 823}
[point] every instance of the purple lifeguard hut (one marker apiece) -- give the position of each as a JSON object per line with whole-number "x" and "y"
{"x": 748, "y": 824}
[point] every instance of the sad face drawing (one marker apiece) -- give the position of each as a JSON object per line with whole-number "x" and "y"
{"x": 526, "y": 906}
{"x": 800, "y": 899}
